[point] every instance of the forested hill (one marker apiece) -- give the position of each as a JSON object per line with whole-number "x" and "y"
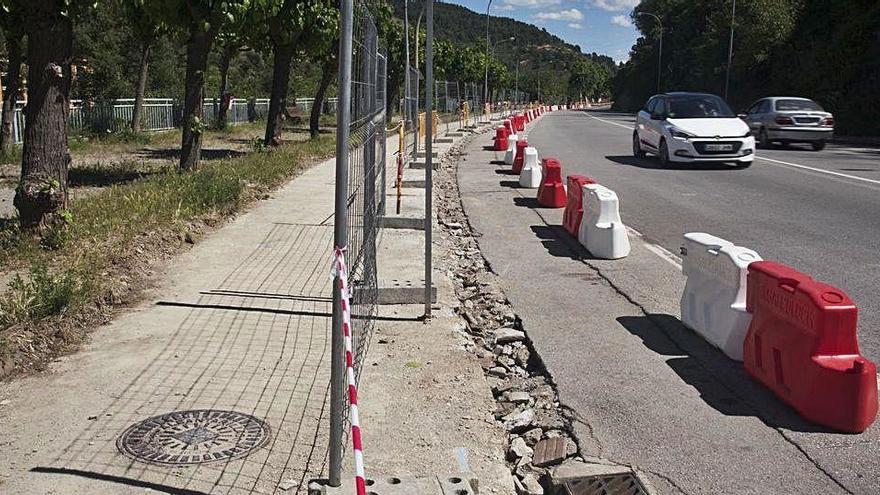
{"x": 546, "y": 59}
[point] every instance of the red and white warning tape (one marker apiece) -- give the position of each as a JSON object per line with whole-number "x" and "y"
{"x": 340, "y": 270}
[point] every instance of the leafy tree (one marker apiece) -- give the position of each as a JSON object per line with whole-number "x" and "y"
{"x": 42, "y": 188}
{"x": 199, "y": 21}
{"x": 289, "y": 26}
{"x": 146, "y": 30}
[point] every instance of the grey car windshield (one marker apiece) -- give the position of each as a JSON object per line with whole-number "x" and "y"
{"x": 797, "y": 105}
{"x": 697, "y": 107}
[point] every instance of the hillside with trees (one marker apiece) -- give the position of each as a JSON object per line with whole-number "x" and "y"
{"x": 547, "y": 63}
{"x": 827, "y": 50}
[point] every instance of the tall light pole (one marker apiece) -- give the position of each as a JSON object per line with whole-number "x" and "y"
{"x": 730, "y": 50}
{"x": 660, "y": 49}
{"x": 486, "y": 78}
{"x": 407, "y": 111}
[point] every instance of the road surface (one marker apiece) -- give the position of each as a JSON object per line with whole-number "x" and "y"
{"x": 816, "y": 211}
{"x": 644, "y": 390}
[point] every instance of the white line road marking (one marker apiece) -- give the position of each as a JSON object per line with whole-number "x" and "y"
{"x": 771, "y": 160}
{"x": 819, "y": 170}
{"x": 609, "y": 122}
{"x": 660, "y": 251}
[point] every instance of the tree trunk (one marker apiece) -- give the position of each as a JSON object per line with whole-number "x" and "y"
{"x": 197, "y": 48}
{"x": 42, "y": 189}
{"x": 141, "y": 87}
{"x": 13, "y": 83}
{"x": 225, "y": 59}
{"x": 328, "y": 70}
{"x": 278, "y": 97}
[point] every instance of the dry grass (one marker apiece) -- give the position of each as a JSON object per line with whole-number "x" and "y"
{"x": 99, "y": 257}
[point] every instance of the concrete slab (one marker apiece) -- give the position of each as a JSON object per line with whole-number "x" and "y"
{"x": 404, "y": 291}
{"x": 404, "y": 485}
{"x": 395, "y": 222}
{"x": 421, "y": 164}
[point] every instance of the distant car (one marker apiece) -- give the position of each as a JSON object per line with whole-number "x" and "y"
{"x": 690, "y": 127}
{"x": 788, "y": 119}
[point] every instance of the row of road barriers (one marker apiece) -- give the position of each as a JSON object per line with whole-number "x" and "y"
{"x": 592, "y": 214}
{"x": 158, "y": 114}
{"x": 794, "y": 335}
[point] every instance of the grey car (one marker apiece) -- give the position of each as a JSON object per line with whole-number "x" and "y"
{"x": 789, "y": 119}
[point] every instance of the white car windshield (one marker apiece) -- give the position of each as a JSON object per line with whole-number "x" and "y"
{"x": 698, "y": 107}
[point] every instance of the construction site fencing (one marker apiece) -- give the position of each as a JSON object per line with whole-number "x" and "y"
{"x": 360, "y": 200}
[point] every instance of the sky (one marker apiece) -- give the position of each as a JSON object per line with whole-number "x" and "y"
{"x": 601, "y": 26}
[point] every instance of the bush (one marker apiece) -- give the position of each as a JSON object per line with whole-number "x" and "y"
{"x": 42, "y": 294}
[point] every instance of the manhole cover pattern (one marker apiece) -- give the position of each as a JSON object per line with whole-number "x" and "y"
{"x": 194, "y": 437}
{"x": 624, "y": 484}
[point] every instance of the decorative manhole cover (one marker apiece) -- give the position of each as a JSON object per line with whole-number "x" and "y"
{"x": 194, "y": 437}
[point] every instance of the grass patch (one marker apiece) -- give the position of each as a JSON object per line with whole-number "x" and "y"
{"x": 106, "y": 239}
{"x": 12, "y": 156}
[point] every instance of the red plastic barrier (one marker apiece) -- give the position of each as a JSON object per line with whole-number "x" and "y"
{"x": 501, "y": 142}
{"x": 574, "y": 208}
{"x": 508, "y": 124}
{"x": 551, "y": 193}
{"x": 520, "y": 121}
{"x": 528, "y": 116}
{"x": 521, "y": 146}
{"x": 802, "y": 344}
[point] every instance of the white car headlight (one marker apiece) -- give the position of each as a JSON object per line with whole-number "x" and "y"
{"x": 679, "y": 133}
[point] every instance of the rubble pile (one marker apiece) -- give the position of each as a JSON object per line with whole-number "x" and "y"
{"x": 539, "y": 432}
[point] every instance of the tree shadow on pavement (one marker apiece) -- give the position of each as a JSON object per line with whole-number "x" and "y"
{"x": 504, "y": 171}
{"x": 497, "y": 162}
{"x": 654, "y": 164}
{"x": 514, "y": 184}
{"x": 722, "y": 382}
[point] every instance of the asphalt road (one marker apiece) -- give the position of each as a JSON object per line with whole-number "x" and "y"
{"x": 645, "y": 391}
{"x": 816, "y": 211}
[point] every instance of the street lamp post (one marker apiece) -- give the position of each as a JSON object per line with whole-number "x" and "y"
{"x": 660, "y": 48}
{"x": 486, "y": 78}
{"x": 730, "y": 50}
{"x": 494, "y": 46}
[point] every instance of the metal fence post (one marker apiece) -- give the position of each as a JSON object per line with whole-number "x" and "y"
{"x": 429, "y": 144}
{"x": 340, "y": 239}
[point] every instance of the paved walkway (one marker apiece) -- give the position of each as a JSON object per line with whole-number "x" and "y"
{"x": 242, "y": 326}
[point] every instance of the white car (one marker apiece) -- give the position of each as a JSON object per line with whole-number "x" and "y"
{"x": 692, "y": 127}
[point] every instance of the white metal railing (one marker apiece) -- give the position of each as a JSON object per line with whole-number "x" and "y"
{"x": 157, "y": 114}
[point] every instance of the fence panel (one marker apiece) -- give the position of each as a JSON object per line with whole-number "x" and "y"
{"x": 360, "y": 194}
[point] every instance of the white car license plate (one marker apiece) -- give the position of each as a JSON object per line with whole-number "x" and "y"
{"x": 719, "y": 147}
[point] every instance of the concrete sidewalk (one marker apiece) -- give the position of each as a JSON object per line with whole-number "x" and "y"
{"x": 241, "y": 327}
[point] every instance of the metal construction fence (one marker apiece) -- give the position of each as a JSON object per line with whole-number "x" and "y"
{"x": 360, "y": 199}
{"x": 158, "y": 114}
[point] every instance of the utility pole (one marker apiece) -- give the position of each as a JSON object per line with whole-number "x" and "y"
{"x": 730, "y": 50}
{"x": 429, "y": 145}
{"x": 660, "y": 48}
{"x": 407, "y": 110}
{"x": 486, "y": 78}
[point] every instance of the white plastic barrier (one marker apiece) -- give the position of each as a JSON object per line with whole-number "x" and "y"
{"x": 601, "y": 231}
{"x": 530, "y": 176}
{"x": 714, "y": 300}
{"x": 511, "y": 149}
